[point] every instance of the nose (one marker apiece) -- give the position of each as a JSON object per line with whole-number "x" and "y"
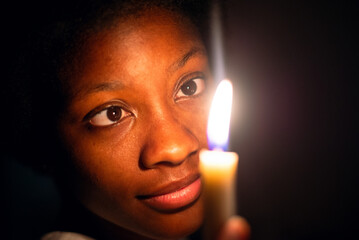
{"x": 168, "y": 143}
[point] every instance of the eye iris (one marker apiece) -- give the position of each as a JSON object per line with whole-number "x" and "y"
{"x": 114, "y": 113}
{"x": 189, "y": 88}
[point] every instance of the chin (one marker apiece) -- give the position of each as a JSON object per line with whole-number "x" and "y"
{"x": 146, "y": 223}
{"x": 175, "y": 225}
{"x": 176, "y": 232}
{"x": 179, "y": 225}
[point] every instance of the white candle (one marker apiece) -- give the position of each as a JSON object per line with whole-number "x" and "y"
{"x": 218, "y": 167}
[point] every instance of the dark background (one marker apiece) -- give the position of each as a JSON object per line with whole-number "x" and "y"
{"x": 294, "y": 124}
{"x": 295, "y": 66}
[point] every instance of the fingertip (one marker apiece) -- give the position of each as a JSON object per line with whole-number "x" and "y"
{"x": 236, "y": 228}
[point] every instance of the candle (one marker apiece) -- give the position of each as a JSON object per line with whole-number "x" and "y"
{"x": 218, "y": 167}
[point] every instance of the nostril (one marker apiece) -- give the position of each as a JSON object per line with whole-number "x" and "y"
{"x": 168, "y": 147}
{"x": 194, "y": 152}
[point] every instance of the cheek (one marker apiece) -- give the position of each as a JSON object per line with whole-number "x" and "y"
{"x": 107, "y": 177}
{"x": 102, "y": 167}
{"x": 195, "y": 117}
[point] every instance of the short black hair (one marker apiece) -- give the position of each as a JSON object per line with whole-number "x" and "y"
{"x": 42, "y": 48}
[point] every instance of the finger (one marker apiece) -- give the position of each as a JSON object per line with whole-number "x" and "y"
{"x": 236, "y": 228}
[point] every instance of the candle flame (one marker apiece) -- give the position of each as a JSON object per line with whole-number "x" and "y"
{"x": 220, "y": 115}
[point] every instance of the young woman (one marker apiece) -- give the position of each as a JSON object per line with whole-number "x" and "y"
{"x": 128, "y": 87}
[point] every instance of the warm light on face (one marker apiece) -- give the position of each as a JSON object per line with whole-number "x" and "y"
{"x": 219, "y": 116}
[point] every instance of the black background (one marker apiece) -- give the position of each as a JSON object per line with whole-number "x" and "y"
{"x": 294, "y": 124}
{"x": 294, "y": 64}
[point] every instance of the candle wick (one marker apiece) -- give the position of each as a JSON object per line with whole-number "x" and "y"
{"x": 217, "y": 149}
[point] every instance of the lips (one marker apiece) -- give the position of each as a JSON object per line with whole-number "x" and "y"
{"x": 175, "y": 196}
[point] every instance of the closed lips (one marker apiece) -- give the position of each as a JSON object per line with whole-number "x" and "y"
{"x": 176, "y": 199}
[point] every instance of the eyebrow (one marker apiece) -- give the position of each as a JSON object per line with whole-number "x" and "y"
{"x": 186, "y": 57}
{"x": 104, "y": 86}
{"x": 115, "y": 85}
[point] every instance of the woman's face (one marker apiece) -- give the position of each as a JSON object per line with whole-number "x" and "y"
{"x": 135, "y": 122}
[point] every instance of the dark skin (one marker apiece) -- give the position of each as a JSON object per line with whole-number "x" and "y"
{"x": 137, "y": 106}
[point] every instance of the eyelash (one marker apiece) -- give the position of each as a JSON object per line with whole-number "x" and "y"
{"x": 100, "y": 116}
{"x": 192, "y": 90}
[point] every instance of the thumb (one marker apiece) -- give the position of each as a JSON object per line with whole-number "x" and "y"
{"x": 236, "y": 228}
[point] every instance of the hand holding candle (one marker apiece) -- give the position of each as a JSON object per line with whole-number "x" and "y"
{"x": 218, "y": 167}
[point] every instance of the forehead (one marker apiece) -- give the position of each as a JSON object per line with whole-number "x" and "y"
{"x": 130, "y": 46}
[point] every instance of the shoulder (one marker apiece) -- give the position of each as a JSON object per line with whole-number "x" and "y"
{"x": 65, "y": 236}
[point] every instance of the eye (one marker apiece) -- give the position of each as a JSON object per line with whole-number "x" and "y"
{"x": 108, "y": 116}
{"x": 191, "y": 88}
